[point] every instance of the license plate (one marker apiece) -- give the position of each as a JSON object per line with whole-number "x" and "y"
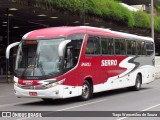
{"x": 33, "y": 93}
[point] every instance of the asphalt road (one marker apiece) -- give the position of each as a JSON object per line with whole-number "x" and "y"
{"x": 145, "y": 100}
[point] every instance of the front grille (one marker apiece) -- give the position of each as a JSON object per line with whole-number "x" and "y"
{"x": 37, "y": 87}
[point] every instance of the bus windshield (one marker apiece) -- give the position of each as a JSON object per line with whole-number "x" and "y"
{"x": 38, "y": 57}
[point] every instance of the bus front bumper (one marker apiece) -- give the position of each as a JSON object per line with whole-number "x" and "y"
{"x": 53, "y": 92}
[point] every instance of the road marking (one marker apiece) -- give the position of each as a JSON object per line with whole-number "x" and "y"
{"x": 17, "y": 103}
{"x": 7, "y": 96}
{"x": 82, "y": 105}
{"x": 1, "y": 85}
{"x": 151, "y": 107}
{"x": 149, "y": 90}
{"x": 72, "y": 107}
{"x": 3, "y": 96}
{"x": 141, "y": 111}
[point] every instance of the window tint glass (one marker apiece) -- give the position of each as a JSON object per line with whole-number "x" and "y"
{"x": 107, "y": 46}
{"x": 73, "y": 48}
{"x": 143, "y": 48}
{"x": 120, "y": 47}
{"x": 93, "y": 46}
{"x": 131, "y": 47}
{"x": 149, "y": 48}
{"x": 139, "y": 48}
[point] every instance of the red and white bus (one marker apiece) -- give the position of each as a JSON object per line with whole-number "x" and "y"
{"x": 63, "y": 62}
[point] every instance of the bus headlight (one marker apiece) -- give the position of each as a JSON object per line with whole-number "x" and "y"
{"x": 17, "y": 84}
{"x": 55, "y": 83}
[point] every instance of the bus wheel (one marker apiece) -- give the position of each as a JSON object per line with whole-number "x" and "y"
{"x": 86, "y": 91}
{"x": 138, "y": 83}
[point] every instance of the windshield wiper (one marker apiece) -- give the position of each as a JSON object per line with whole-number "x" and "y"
{"x": 28, "y": 66}
{"x": 40, "y": 66}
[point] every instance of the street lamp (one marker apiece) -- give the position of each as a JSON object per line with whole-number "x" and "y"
{"x": 152, "y": 19}
{"x": 84, "y": 12}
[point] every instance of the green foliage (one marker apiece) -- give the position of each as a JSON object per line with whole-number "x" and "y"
{"x": 110, "y": 9}
{"x": 157, "y": 7}
{"x": 101, "y": 8}
{"x": 157, "y": 23}
{"x": 106, "y": 9}
{"x": 70, "y": 5}
{"x": 142, "y": 19}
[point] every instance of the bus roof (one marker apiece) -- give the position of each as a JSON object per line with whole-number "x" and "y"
{"x": 64, "y": 31}
{"x": 122, "y": 34}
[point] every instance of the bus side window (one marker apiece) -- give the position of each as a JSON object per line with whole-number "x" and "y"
{"x": 68, "y": 62}
{"x": 93, "y": 46}
{"x": 107, "y": 46}
{"x": 139, "y": 48}
{"x": 76, "y": 43}
{"x": 149, "y": 48}
{"x": 143, "y": 48}
{"x": 120, "y": 47}
{"x": 131, "y": 47}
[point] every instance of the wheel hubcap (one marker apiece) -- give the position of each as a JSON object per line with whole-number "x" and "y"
{"x": 85, "y": 90}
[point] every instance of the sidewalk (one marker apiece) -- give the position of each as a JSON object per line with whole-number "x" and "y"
{"x": 157, "y": 65}
{"x": 3, "y": 79}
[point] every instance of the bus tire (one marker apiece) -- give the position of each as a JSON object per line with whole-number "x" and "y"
{"x": 138, "y": 83}
{"x": 86, "y": 91}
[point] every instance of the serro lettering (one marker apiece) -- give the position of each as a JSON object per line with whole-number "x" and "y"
{"x": 28, "y": 82}
{"x": 108, "y": 62}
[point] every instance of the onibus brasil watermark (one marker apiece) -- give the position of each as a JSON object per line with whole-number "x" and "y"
{"x": 21, "y": 114}
{"x": 30, "y": 114}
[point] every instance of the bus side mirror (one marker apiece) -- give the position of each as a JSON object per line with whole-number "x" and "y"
{"x": 9, "y": 48}
{"x": 61, "y": 47}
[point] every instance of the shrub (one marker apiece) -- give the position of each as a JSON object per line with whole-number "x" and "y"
{"x": 106, "y": 9}
{"x": 157, "y": 23}
{"x": 142, "y": 19}
{"x": 100, "y": 8}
